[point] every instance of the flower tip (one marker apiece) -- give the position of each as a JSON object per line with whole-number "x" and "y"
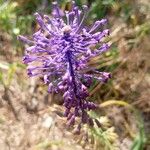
{"x": 66, "y": 29}
{"x": 73, "y": 2}
{"x": 107, "y": 32}
{"x": 103, "y": 21}
{"x": 54, "y": 3}
{"x": 19, "y": 37}
{"x": 106, "y": 76}
{"x": 46, "y": 17}
{"x": 85, "y": 7}
{"x": 45, "y": 78}
{"x": 76, "y": 8}
{"x": 71, "y": 121}
{"x": 29, "y": 73}
{"x": 110, "y": 75}
{"x": 77, "y": 130}
{"x": 108, "y": 45}
{"x": 50, "y": 88}
{"x": 37, "y": 15}
{"x": 24, "y": 39}
{"x": 83, "y": 88}
{"x": 67, "y": 111}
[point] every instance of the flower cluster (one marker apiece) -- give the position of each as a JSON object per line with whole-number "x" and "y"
{"x": 59, "y": 52}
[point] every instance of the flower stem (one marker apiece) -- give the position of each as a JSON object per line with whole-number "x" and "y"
{"x": 71, "y": 71}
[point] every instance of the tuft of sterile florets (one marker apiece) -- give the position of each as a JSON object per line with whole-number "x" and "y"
{"x": 59, "y": 52}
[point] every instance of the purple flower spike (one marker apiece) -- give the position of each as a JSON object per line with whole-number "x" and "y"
{"x": 59, "y": 52}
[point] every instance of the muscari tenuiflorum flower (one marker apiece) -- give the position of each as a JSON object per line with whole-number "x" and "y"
{"x": 59, "y": 52}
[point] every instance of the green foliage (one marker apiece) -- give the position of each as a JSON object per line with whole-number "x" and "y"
{"x": 140, "y": 140}
{"x": 7, "y": 72}
{"x": 13, "y": 20}
{"x": 7, "y": 15}
{"x": 104, "y": 136}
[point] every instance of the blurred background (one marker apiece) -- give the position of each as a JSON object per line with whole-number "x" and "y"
{"x": 32, "y": 119}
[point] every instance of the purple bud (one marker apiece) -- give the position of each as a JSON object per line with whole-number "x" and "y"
{"x": 67, "y": 112}
{"x": 50, "y": 88}
{"x": 25, "y": 40}
{"x": 71, "y": 121}
{"x": 66, "y": 95}
{"x": 90, "y": 122}
{"x": 46, "y": 79}
{"x": 78, "y": 129}
{"x": 84, "y": 117}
